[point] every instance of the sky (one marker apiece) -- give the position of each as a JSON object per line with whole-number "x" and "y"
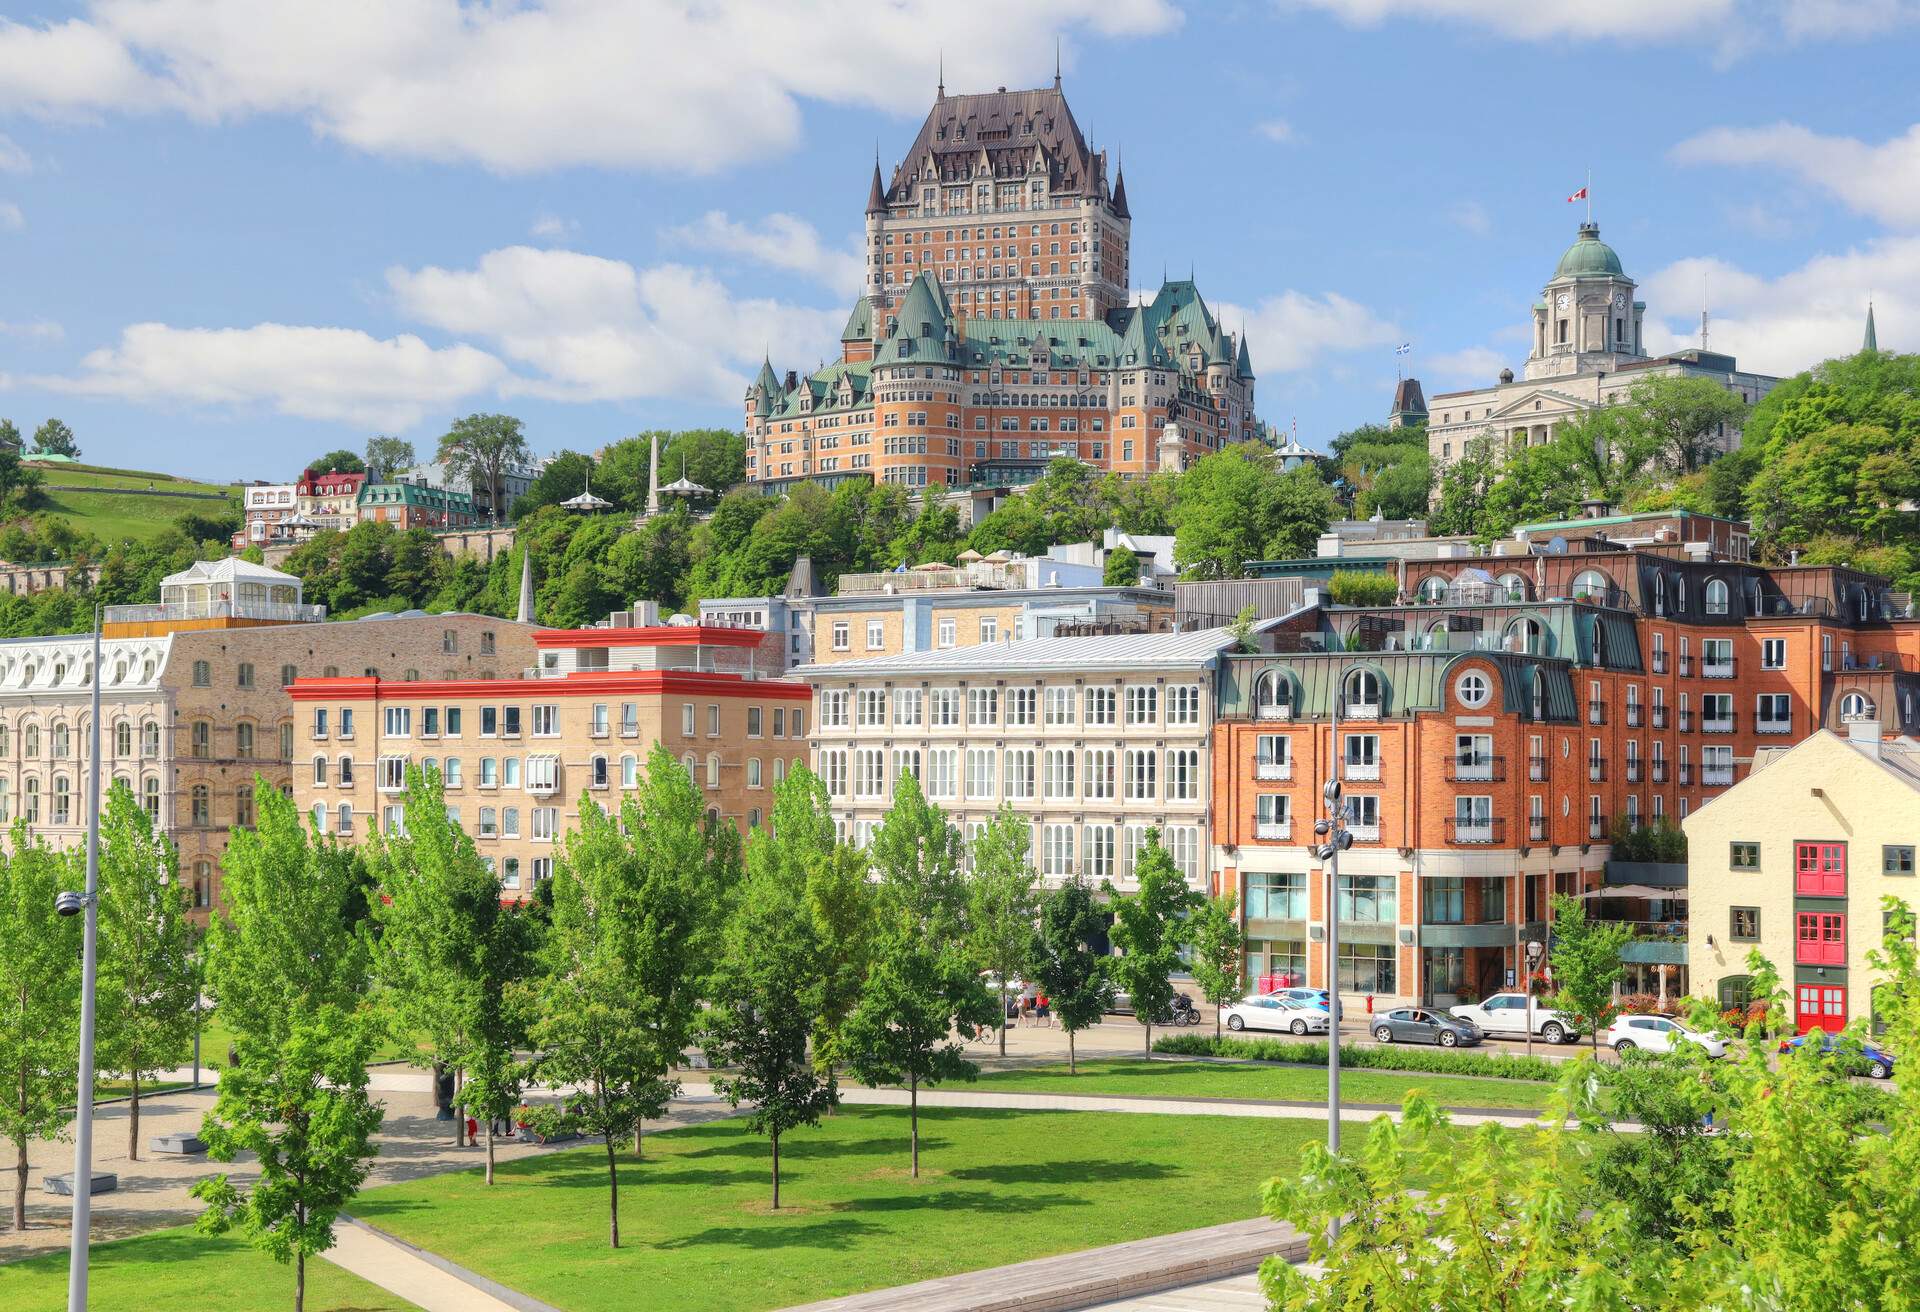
{"x": 235, "y": 234}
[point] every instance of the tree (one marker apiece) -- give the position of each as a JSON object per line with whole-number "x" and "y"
{"x": 1586, "y": 964}
{"x": 55, "y": 438}
{"x": 149, "y": 985}
{"x": 388, "y": 456}
{"x": 1684, "y": 418}
{"x": 1067, "y": 963}
{"x": 451, "y": 954}
{"x": 1122, "y": 569}
{"x": 1149, "y": 928}
{"x": 1215, "y": 935}
{"x": 921, "y": 987}
{"x": 1001, "y": 903}
{"x": 1465, "y": 483}
{"x": 767, "y": 996}
{"x": 1236, "y": 505}
{"x": 287, "y": 967}
{"x": 342, "y": 461}
{"x": 616, "y": 1000}
{"x": 10, "y": 434}
{"x": 566, "y": 476}
{"x": 480, "y": 449}
{"x": 39, "y": 1000}
{"x": 1672, "y": 1169}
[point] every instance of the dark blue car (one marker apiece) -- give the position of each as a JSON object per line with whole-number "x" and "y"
{"x": 1876, "y": 1062}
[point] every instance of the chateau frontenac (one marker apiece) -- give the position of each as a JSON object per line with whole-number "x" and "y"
{"x": 994, "y": 333}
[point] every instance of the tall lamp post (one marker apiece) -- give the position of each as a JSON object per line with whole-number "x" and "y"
{"x": 1335, "y": 839}
{"x": 68, "y": 904}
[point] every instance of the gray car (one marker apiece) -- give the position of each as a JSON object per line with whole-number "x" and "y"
{"x": 1424, "y": 1025}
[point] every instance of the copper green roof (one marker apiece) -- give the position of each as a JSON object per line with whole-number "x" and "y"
{"x": 823, "y": 386}
{"x": 1589, "y": 257}
{"x": 860, "y": 323}
{"x": 1410, "y": 682}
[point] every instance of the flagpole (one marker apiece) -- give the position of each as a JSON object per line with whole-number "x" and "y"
{"x": 1589, "y": 195}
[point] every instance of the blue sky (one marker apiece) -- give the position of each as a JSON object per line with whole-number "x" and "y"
{"x": 236, "y": 233}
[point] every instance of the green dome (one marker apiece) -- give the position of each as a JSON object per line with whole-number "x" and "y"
{"x": 1589, "y": 257}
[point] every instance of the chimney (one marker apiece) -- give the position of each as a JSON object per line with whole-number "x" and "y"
{"x": 793, "y": 379}
{"x": 1596, "y": 507}
{"x": 1864, "y": 734}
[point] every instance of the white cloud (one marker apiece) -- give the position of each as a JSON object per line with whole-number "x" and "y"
{"x": 543, "y": 84}
{"x": 12, "y": 158}
{"x": 595, "y": 329}
{"x": 1476, "y": 365}
{"x": 1277, "y": 130}
{"x": 11, "y": 217}
{"x": 336, "y": 374}
{"x": 1818, "y": 19}
{"x": 781, "y": 241}
{"x": 1784, "y": 324}
{"x": 1536, "y": 20}
{"x": 34, "y": 330}
{"x": 551, "y": 227}
{"x": 1296, "y": 331}
{"x": 1471, "y": 216}
{"x": 1882, "y": 181}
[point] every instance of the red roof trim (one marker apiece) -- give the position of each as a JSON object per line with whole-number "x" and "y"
{"x": 638, "y": 682}
{"x": 659, "y": 635}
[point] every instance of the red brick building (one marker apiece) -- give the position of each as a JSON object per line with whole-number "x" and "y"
{"x": 994, "y": 332}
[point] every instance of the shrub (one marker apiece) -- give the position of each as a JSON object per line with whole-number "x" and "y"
{"x": 1658, "y": 841}
{"x": 1434, "y": 1061}
{"x": 1356, "y": 587}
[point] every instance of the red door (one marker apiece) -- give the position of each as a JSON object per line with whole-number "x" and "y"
{"x": 1820, "y": 1006}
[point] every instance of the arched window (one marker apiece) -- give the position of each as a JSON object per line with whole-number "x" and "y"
{"x": 713, "y": 769}
{"x": 201, "y": 806}
{"x": 1856, "y": 706}
{"x": 32, "y": 808}
{"x": 1273, "y": 696}
{"x": 753, "y": 772}
{"x": 1435, "y": 638}
{"x": 1433, "y": 590}
{"x": 150, "y": 740}
{"x": 1590, "y": 585}
{"x": 1537, "y": 695}
{"x": 1659, "y": 594}
{"x": 3, "y": 738}
{"x": 599, "y": 775}
{"x": 1363, "y": 695}
{"x": 150, "y": 797}
{"x": 243, "y": 739}
{"x": 1525, "y": 634}
{"x": 286, "y": 740}
{"x": 320, "y": 771}
{"x": 123, "y": 738}
{"x": 320, "y": 817}
{"x": 1513, "y": 587}
{"x": 629, "y": 771}
{"x": 62, "y": 742}
{"x": 692, "y": 765}
{"x": 344, "y": 824}
{"x": 1680, "y": 594}
{"x": 62, "y": 800}
{"x": 243, "y": 806}
{"x": 6, "y": 803}
{"x": 30, "y": 743}
{"x": 779, "y": 772}
{"x": 1716, "y": 596}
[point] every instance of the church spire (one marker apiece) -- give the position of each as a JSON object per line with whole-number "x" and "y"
{"x": 1056, "y": 63}
{"x": 1871, "y": 342}
{"x": 876, "y": 194}
{"x": 525, "y": 612}
{"x": 1120, "y": 193}
{"x": 940, "y": 88}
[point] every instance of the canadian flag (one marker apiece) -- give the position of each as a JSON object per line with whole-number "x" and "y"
{"x": 1578, "y": 195}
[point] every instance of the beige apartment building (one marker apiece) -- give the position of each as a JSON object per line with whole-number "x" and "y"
{"x": 1795, "y": 859}
{"x": 195, "y": 701}
{"x": 518, "y": 754}
{"x": 1095, "y": 740}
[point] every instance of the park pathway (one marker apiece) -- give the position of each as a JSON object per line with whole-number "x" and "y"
{"x": 428, "y": 1281}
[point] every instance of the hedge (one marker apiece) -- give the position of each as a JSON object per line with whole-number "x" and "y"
{"x": 1425, "y": 1061}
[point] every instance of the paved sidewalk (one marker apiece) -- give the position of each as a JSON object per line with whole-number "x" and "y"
{"x": 380, "y": 1261}
{"x": 1234, "y": 1294}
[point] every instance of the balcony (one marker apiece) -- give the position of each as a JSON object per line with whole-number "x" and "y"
{"x": 1275, "y": 711}
{"x": 1364, "y": 772}
{"x": 1477, "y": 769}
{"x": 1716, "y": 776}
{"x": 1685, "y": 724}
{"x": 1634, "y": 715}
{"x": 1596, "y": 769}
{"x": 1476, "y": 832}
{"x": 1659, "y": 717}
{"x": 1596, "y": 828}
{"x": 1719, "y": 669}
{"x": 1773, "y": 726}
{"x": 1273, "y": 769}
{"x": 272, "y": 612}
{"x": 1659, "y": 772}
{"x": 1365, "y": 833}
{"x": 1686, "y": 773}
{"x": 1719, "y": 723}
{"x": 1273, "y": 831}
{"x": 1686, "y": 665}
{"x": 1596, "y": 712}
{"x": 1633, "y": 771}
{"x": 1361, "y": 710}
{"x": 1660, "y": 660}
{"x": 1655, "y": 942}
{"x": 1537, "y": 768}
{"x": 1536, "y": 829}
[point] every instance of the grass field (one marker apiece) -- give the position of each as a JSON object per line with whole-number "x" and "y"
{"x": 995, "y": 1187}
{"x": 112, "y": 510}
{"x": 1172, "y": 1078}
{"x": 178, "y": 1269}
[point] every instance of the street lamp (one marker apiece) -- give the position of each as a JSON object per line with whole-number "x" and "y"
{"x": 1335, "y": 839}
{"x": 68, "y": 904}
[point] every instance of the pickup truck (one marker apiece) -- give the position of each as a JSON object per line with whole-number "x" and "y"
{"x": 1505, "y": 1015}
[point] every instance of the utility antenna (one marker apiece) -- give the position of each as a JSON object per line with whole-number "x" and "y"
{"x": 940, "y": 91}
{"x": 1703, "y": 312}
{"x": 1056, "y": 63}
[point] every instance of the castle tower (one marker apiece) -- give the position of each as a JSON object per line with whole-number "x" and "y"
{"x": 1587, "y": 319}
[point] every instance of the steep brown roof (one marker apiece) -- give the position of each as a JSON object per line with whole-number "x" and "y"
{"x": 1007, "y": 126}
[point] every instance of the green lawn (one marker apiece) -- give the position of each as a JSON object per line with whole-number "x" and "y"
{"x": 110, "y": 507}
{"x": 178, "y": 1269}
{"x": 995, "y": 1187}
{"x": 1173, "y": 1078}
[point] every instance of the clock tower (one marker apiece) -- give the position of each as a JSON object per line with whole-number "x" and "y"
{"x": 1587, "y": 321}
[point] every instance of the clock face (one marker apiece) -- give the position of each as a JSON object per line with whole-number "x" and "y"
{"x": 1562, "y": 300}
{"x": 1619, "y": 300}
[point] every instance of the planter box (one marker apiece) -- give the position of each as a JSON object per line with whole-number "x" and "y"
{"x": 182, "y": 1144}
{"x": 104, "y": 1182}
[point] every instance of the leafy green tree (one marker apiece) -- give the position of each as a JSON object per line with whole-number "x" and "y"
{"x": 21, "y": 485}
{"x": 55, "y": 438}
{"x": 342, "y": 461}
{"x": 1672, "y": 1169}
{"x": 1067, "y": 962}
{"x": 768, "y": 993}
{"x": 287, "y": 967}
{"x": 480, "y": 449}
{"x": 921, "y": 987}
{"x": 1684, "y": 417}
{"x": 1122, "y": 569}
{"x": 566, "y": 476}
{"x": 1386, "y": 469}
{"x": 39, "y": 999}
{"x": 1149, "y": 929}
{"x": 388, "y": 456}
{"x": 1586, "y": 964}
{"x": 1465, "y": 483}
{"x": 1214, "y": 932}
{"x": 451, "y": 955}
{"x": 9, "y": 433}
{"x": 149, "y": 984}
{"x": 1002, "y": 903}
{"x": 1236, "y": 505}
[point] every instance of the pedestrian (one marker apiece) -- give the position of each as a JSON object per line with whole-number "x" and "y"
{"x": 1045, "y": 1012}
{"x": 473, "y": 1133}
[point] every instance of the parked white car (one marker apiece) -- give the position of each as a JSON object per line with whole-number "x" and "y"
{"x": 1504, "y": 1015}
{"x": 1272, "y": 1012}
{"x": 1659, "y": 1034}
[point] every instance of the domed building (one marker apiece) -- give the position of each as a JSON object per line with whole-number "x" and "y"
{"x": 1587, "y": 351}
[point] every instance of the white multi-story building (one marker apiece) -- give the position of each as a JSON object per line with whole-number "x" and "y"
{"x": 1095, "y": 741}
{"x": 264, "y": 506}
